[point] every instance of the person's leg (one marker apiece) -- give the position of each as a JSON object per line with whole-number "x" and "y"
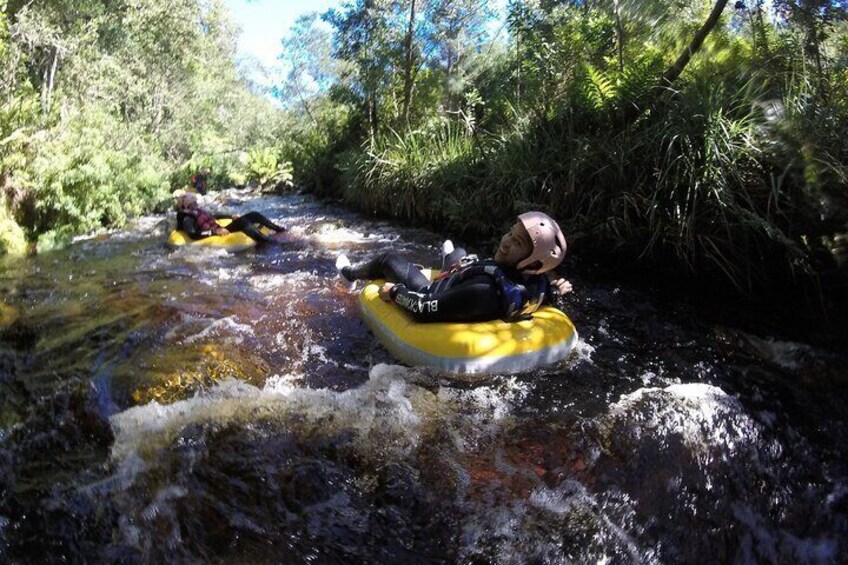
{"x": 391, "y": 267}
{"x": 258, "y": 218}
{"x": 251, "y": 231}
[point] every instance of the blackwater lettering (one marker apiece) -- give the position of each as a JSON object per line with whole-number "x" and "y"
{"x": 418, "y": 305}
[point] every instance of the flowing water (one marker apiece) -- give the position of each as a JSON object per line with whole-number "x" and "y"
{"x": 197, "y": 406}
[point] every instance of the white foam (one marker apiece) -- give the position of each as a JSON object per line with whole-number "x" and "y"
{"x": 483, "y": 410}
{"x": 198, "y": 254}
{"x": 330, "y": 233}
{"x": 228, "y": 324}
{"x": 314, "y": 352}
{"x": 839, "y": 493}
{"x": 136, "y": 228}
{"x": 702, "y": 414}
{"x": 786, "y": 354}
{"x": 387, "y": 418}
{"x": 767, "y": 417}
{"x": 510, "y": 526}
{"x": 764, "y": 544}
{"x": 382, "y": 406}
{"x": 386, "y": 413}
{"x": 564, "y": 499}
{"x": 582, "y": 352}
{"x": 648, "y": 377}
{"x": 295, "y": 281}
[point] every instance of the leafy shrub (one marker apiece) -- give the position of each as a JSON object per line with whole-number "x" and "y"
{"x": 315, "y": 149}
{"x": 225, "y": 170}
{"x": 83, "y": 183}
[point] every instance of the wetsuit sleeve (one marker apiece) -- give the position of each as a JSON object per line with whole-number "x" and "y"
{"x": 551, "y": 293}
{"x": 473, "y": 301}
{"x": 550, "y": 296}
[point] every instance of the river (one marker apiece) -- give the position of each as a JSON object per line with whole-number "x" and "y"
{"x": 197, "y": 406}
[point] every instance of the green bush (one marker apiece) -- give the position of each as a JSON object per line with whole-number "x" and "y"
{"x": 12, "y": 238}
{"x": 225, "y": 170}
{"x": 415, "y": 175}
{"x": 315, "y": 149}
{"x": 83, "y": 182}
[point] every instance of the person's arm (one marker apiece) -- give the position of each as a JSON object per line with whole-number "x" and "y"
{"x": 189, "y": 225}
{"x": 472, "y": 301}
{"x": 557, "y": 287}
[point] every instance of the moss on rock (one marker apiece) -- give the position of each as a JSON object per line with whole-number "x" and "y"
{"x": 12, "y": 238}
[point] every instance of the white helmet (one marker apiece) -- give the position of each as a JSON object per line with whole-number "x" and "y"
{"x": 184, "y": 198}
{"x": 548, "y": 243}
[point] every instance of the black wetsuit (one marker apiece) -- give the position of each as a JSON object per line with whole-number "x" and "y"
{"x": 454, "y": 298}
{"x": 246, "y": 224}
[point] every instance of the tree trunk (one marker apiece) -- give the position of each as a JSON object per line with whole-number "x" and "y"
{"x": 408, "y": 77}
{"x": 48, "y": 83}
{"x": 671, "y": 74}
{"x": 619, "y": 32}
{"x": 814, "y": 52}
{"x": 759, "y": 30}
{"x": 372, "y": 115}
{"x": 303, "y": 102}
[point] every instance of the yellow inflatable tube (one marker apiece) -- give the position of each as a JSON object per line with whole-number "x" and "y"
{"x": 480, "y": 347}
{"x": 233, "y": 242}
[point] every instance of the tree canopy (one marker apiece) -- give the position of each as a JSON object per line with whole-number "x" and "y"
{"x": 108, "y": 104}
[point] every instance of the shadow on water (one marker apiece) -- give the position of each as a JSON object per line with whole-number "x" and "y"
{"x": 195, "y": 405}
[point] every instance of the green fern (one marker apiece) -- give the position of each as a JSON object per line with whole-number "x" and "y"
{"x": 599, "y": 89}
{"x": 267, "y": 170}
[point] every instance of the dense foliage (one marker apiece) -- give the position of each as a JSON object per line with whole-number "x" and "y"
{"x": 702, "y": 137}
{"x": 107, "y": 105}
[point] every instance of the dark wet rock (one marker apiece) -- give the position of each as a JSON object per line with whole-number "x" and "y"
{"x": 20, "y": 335}
{"x": 60, "y": 441}
{"x": 682, "y": 458}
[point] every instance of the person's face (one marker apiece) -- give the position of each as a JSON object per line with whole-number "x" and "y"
{"x": 515, "y": 246}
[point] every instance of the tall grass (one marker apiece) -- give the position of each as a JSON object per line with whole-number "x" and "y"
{"x": 712, "y": 182}
{"x": 417, "y": 175}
